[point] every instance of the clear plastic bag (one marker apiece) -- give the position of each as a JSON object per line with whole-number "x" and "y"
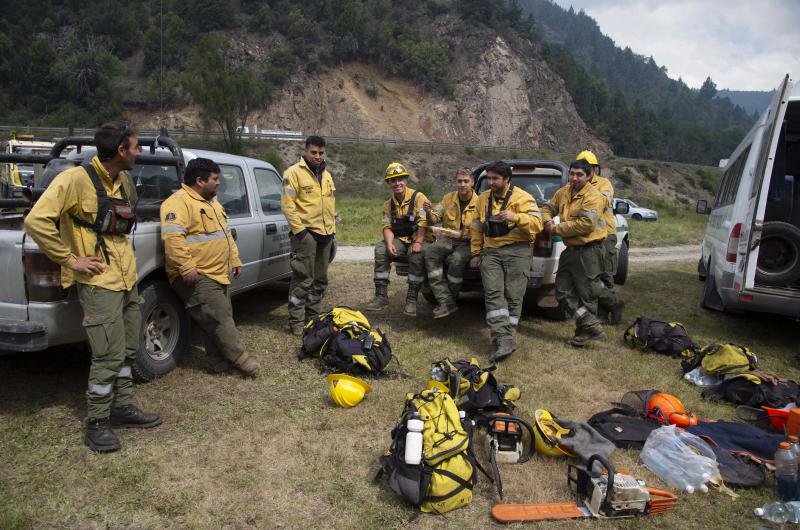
{"x": 680, "y": 459}
{"x": 699, "y": 377}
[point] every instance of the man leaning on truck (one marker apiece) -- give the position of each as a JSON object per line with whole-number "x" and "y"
{"x": 81, "y": 222}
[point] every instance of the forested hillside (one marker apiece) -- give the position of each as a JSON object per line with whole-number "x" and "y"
{"x": 752, "y": 101}
{"x": 81, "y": 62}
{"x": 632, "y": 100}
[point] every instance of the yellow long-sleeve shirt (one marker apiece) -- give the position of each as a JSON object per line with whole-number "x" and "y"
{"x": 50, "y": 224}
{"x": 525, "y": 224}
{"x": 606, "y": 189}
{"x": 196, "y": 236}
{"x": 579, "y": 215}
{"x": 308, "y": 203}
{"x": 452, "y": 217}
{"x": 401, "y": 208}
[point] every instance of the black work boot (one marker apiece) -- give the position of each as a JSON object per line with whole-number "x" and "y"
{"x": 99, "y": 436}
{"x": 442, "y": 310}
{"x": 131, "y": 416}
{"x": 615, "y": 315}
{"x": 505, "y": 347}
{"x": 588, "y": 328}
{"x": 411, "y": 299}
{"x": 381, "y": 300}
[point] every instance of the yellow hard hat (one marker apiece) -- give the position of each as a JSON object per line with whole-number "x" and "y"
{"x": 347, "y": 391}
{"x": 589, "y": 157}
{"x": 546, "y": 434}
{"x": 394, "y": 170}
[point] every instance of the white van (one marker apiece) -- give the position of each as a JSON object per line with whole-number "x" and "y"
{"x": 751, "y": 249}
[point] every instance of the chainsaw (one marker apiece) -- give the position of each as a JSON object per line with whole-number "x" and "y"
{"x": 504, "y": 443}
{"x": 606, "y": 494}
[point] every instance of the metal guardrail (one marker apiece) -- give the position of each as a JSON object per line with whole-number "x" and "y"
{"x": 293, "y": 136}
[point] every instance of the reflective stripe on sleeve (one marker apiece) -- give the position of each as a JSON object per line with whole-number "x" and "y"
{"x": 202, "y": 238}
{"x": 166, "y": 229}
{"x": 590, "y": 215}
{"x": 535, "y": 214}
{"x": 386, "y": 221}
{"x": 290, "y": 191}
{"x": 606, "y": 193}
{"x": 439, "y": 210}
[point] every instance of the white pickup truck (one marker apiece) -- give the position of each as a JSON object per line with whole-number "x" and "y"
{"x": 36, "y": 313}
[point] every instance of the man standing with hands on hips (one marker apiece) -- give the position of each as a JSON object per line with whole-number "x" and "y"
{"x": 309, "y": 206}
{"x": 67, "y": 224}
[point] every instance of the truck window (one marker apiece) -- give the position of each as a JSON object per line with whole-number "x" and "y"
{"x": 269, "y": 189}
{"x": 729, "y": 186}
{"x": 232, "y": 192}
{"x": 154, "y": 183}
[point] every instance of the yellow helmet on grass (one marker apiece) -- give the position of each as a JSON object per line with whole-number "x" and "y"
{"x": 394, "y": 170}
{"x": 546, "y": 434}
{"x": 347, "y": 391}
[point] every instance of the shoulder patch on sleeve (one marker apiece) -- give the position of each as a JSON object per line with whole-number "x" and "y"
{"x": 169, "y": 217}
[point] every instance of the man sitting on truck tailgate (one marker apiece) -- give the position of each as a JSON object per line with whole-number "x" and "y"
{"x": 455, "y": 212}
{"x": 506, "y": 223}
{"x": 81, "y": 222}
{"x": 580, "y": 267}
{"x": 200, "y": 256}
{"x": 309, "y": 206}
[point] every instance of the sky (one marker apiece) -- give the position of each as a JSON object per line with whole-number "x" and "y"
{"x": 741, "y": 44}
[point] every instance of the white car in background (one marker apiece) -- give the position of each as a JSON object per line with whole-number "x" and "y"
{"x": 637, "y": 212}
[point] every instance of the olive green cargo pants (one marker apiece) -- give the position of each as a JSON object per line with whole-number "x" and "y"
{"x": 454, "y": 254}
{"x": 579, "y": 279}
{"x": 607, "y": 297}
{"x": 209, "y": 306}
{"x": 309, "y": 263}
{"x": 383, "y": 262}
{"x": 505, "y": 272}
{"x": 112, "y": 320}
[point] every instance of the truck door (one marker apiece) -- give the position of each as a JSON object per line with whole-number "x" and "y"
{"x": 243, "y": 223}
{"x": 275, "y": 229}
{"x": 744, "y": 276}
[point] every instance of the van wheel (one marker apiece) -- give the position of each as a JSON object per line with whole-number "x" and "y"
{"x": 164, "y": 332}
{"x": 779, "y": 254}
{"x": 621, "y": 273}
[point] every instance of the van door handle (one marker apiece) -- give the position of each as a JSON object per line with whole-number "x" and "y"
{"x": 233, "y": 233}
{"x": 272, "y": 228}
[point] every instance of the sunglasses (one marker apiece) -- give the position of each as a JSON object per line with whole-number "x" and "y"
{"x": 126, "y": 132}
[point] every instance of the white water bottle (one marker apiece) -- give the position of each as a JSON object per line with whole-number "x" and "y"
{"x": 413, "y": 454}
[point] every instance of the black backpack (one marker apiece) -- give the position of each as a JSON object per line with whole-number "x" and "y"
{"x": 668, "y": 338}
{"x": 756, "y": 389}
{"x": 623, "y": 426}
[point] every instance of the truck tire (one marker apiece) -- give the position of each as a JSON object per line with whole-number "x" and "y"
{"x": 621, "y": 273}
{"x": 778, "y": 254}
{"x": 164, "y": 334}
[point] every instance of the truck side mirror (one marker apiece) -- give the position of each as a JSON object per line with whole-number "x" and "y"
{"x": 621, "y": 208}
{"x": 702, "y": 207}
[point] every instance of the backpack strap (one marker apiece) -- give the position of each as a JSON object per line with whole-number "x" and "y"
{"x": 644, "y": 330}
{"x": 503, "y": 205}
{"x": 411, "y": 204}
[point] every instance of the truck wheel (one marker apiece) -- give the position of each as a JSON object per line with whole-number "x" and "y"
{"x": 779, "y": 254}
{"x": 164, "y": 333}
{"x": 621, "y": 273}
{"x": 637, "y": 216}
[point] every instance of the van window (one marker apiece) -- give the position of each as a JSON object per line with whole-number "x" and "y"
{"x": 232, "y": 193}
{"x": 729, "y": 186}
{"x": 269, "y": 189}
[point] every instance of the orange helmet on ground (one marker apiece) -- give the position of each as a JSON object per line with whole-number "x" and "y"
{"x": 668, "y": 409}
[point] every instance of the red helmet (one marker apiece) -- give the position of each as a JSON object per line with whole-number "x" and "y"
{"x": 666, "y": 408}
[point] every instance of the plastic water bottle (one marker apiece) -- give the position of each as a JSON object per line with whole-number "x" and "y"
{"x": 786, "y": 472}
{"x": 775, "y": 511}
{"x": 413, "y": 454}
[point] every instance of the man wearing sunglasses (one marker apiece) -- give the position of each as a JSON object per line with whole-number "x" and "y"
{"x": 82, "y": 222}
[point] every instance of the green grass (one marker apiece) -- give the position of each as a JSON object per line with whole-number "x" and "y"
{"x": 275, "y": 451}
{"x": 680, "y": 227}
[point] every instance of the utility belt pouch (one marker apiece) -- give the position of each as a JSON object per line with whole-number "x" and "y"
{"x": 403, "y": 226}
{"x": 115, "y": 217}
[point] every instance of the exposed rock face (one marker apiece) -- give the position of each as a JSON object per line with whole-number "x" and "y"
{"x": 500, "y": 98}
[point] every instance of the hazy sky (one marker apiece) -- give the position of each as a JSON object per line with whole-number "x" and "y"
{"x": 741, "y": 44}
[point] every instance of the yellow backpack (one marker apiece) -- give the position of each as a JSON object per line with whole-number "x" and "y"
{"x": 722, "y": 359}
{"x": 444, "y": 479}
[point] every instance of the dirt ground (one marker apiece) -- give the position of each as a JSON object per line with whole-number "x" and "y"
{"x": 275, "y": 452}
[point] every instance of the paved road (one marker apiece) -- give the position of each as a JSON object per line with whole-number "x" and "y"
{"x": 677, "y": 253}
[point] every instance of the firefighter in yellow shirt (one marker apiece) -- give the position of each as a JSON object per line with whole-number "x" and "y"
{"x": 100, "y": 261}
{"x": 309, "y": 205}
{"x": 404, "y": 231}
{"x": 503, "y": 231}
{"x": 455, "y": 212}
{"x": 610, "y": 307}
{"x": 201, "y": 256}
{"x": 578, "y": 280}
